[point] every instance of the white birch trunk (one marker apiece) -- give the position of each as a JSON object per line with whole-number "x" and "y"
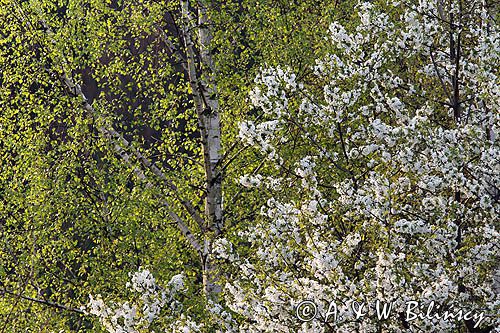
{"x": 204, "y": 92}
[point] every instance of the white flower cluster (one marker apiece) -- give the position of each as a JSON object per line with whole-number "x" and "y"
{"x": 185, "y": 325}
{"x": 223, "y": 249}
{"x": 256, "y": 180}
{"x": 259, "y": 135}
{"x": 121, "y": 318}
{"x": 273, "y": 100}
{"x": 395, "y": 197}
{"x": 129, "y": 317}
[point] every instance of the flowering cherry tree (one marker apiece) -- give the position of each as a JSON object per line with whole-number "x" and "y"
{"x": 382, "y": 174}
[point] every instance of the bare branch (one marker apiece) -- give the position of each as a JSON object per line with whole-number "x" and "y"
{"x": 43, "y": 301}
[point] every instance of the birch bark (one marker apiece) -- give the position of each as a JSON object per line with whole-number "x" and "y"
{"x": 201, "y": 73}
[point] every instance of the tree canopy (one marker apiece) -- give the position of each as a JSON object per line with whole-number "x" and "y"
{"x": 236, "y": 166}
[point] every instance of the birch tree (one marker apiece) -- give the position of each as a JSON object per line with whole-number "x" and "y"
{"x": 172, "y": 33}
